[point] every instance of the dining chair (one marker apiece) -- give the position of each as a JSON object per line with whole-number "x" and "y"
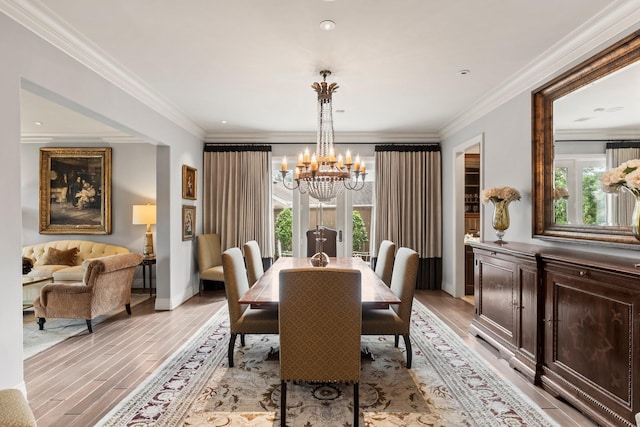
{"x": 242, "y": 318}
{"x": 320, "y": 324}
{"x": 253, "y": 258}
{"x": 396, "y": 319}
{"x": 209, "y": 259}
{"x": 329, "y": 245}
{"x": 384, "y": 262}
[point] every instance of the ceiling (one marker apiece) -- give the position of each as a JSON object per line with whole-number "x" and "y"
{"x": 245, "y": 67}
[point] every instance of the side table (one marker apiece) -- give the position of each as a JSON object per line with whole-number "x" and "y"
{"x": 148, "y": 262}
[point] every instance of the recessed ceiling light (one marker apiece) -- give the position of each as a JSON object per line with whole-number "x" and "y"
{"x": 328, "y": 25}
{"x": 38, "y": 123}
{"x": 224, "y": 122}
{"x": 464, "y": 72}
{"x": 339, "y": 111}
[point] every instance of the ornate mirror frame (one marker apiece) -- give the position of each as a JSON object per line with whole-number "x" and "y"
{"x": 621, "y": 54}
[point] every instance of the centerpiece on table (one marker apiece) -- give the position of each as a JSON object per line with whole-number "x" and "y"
{"x": 500, "y": 197}
{"x": 626, "y": 176}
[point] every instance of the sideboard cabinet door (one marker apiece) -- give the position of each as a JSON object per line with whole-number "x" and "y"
{"x": 591, "y": 322}
{"x": 507, "y": 302}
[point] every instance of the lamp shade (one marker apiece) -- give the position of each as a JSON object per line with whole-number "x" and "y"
{"x": 144, "y": 214}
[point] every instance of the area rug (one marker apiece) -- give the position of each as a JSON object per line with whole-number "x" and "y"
{"x": 57, "y": 330}
{"x": 449, "y": 385}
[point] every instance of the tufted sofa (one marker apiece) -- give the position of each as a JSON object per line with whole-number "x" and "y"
{"x": 66, "y": 273}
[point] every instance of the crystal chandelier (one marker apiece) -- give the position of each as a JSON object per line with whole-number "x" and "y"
{"x": 321, "y": 174}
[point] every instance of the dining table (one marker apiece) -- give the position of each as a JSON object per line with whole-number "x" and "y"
{"x": 265, "y": 293}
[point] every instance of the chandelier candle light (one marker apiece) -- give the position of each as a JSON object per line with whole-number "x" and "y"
{"x": 500, "y": 197}
{"x": 322, "y": 174}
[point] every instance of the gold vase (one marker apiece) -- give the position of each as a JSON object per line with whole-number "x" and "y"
{"x": 500, "y": 217}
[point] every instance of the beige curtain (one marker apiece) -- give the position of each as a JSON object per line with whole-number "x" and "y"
{"x": 620, "y": 206}
{"x": 237, "y": 195}
{"x": 408, "y": 207}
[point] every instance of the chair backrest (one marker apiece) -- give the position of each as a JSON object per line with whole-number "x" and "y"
{"x": 235, "y": 282}
{"x": 253, "y": 258}
{"x": 110, "y": 278}
{"x": 329, "y": 245}
{"x": 403, "y": 281}
{"x": 209, "y": 251}
{"x": 384, "y": 262}
{"x": 320, "y": 312}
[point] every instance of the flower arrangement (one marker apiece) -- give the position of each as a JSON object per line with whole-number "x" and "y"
{"x": 560, "y": 193}
{"x": 499, "y": 194}
{"x": 626, "y": 175}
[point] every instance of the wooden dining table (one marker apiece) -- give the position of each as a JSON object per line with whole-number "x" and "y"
{"x": 265, "y": 293}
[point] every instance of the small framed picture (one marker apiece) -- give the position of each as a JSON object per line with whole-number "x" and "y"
{"x": 189, "y": 180}
{"x": 188, "y": 222}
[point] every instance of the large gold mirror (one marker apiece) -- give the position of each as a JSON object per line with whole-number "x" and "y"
{"x": 582, "y": 120}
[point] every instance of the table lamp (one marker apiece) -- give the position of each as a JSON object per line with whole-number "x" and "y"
{"x": 146, "y": 214}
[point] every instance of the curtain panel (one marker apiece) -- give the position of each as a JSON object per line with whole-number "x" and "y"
{"x": 237, "y": 195}
{"x": 620, "y": 207}
{"x": 408, "y": 208}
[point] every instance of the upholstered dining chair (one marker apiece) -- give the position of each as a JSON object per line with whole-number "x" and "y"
{"x": 328, "y": 246}
{"x": 396, "y": 320}
{"x": 242, "y": 318}
{"x": 209, "y": 259}
{"x": 320, "y": 324}
{"x": 384, "y": 262}
{"x": 253, "y": 259}
{"x": 106, "y": 286}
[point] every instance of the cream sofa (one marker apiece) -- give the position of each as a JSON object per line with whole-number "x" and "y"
{"x": 87, "y": 250}
{"x": 66, "y": 273}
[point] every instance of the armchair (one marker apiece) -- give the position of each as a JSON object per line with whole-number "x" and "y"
{"x": 210, "y": 258}
{"x": 105, "y": 287}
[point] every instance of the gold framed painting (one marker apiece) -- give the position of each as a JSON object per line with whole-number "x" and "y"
{"x": 188, "y": 222}
{"x": 75, "y": 190}
{"x": 189, "y": 180}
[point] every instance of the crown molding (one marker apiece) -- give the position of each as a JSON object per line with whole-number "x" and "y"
{"x": 36, "y": 17}
{"x": 311, "y": 137}
{"x": 597, "y": 134}
{"x": 614, "y": 22}
{"x": 74, "y": 138}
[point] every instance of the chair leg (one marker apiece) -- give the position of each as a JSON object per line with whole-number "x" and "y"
{"x": 89, "y": 326}
{"x": 128, "y": 307}
{"x": 407, "y": 344}
{"x": 396, "y": 340}
{"x": 283, "y": 403}
{"x": 242, "y": 339}
{"x": 356, "y": 404}
{"x": 41, "y": 321}
{"x": 232, "y": 343}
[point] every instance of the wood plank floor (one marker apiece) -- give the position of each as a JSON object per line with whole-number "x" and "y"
{"x": 76, "y": 382}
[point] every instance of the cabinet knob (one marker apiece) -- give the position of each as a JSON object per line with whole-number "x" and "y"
{"x": 584, "y": 273}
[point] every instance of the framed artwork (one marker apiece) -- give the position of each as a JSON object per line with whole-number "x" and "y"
{"x": 75, "y": 190}
{"x": 189, "y": 179}
{"x": 188, "y": 222}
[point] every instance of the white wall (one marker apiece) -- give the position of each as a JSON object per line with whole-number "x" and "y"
{"x": 506, "y": 161}
{"x": 27, "y": 57}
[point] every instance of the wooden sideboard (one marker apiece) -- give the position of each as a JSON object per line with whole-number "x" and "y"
{"x": 507, "y": 302}
{"x": 568, "y": 320}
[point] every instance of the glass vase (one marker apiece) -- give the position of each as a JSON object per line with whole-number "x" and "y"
{"x": 500, "y": 218}
{"x": 635, "y": 216}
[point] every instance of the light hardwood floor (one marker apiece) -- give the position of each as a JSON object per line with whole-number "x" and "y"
{"x": 76, "y": 382}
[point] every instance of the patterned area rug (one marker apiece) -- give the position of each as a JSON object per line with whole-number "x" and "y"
{"x": 57, "y": 330}
{"x": 449, "y": 385}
